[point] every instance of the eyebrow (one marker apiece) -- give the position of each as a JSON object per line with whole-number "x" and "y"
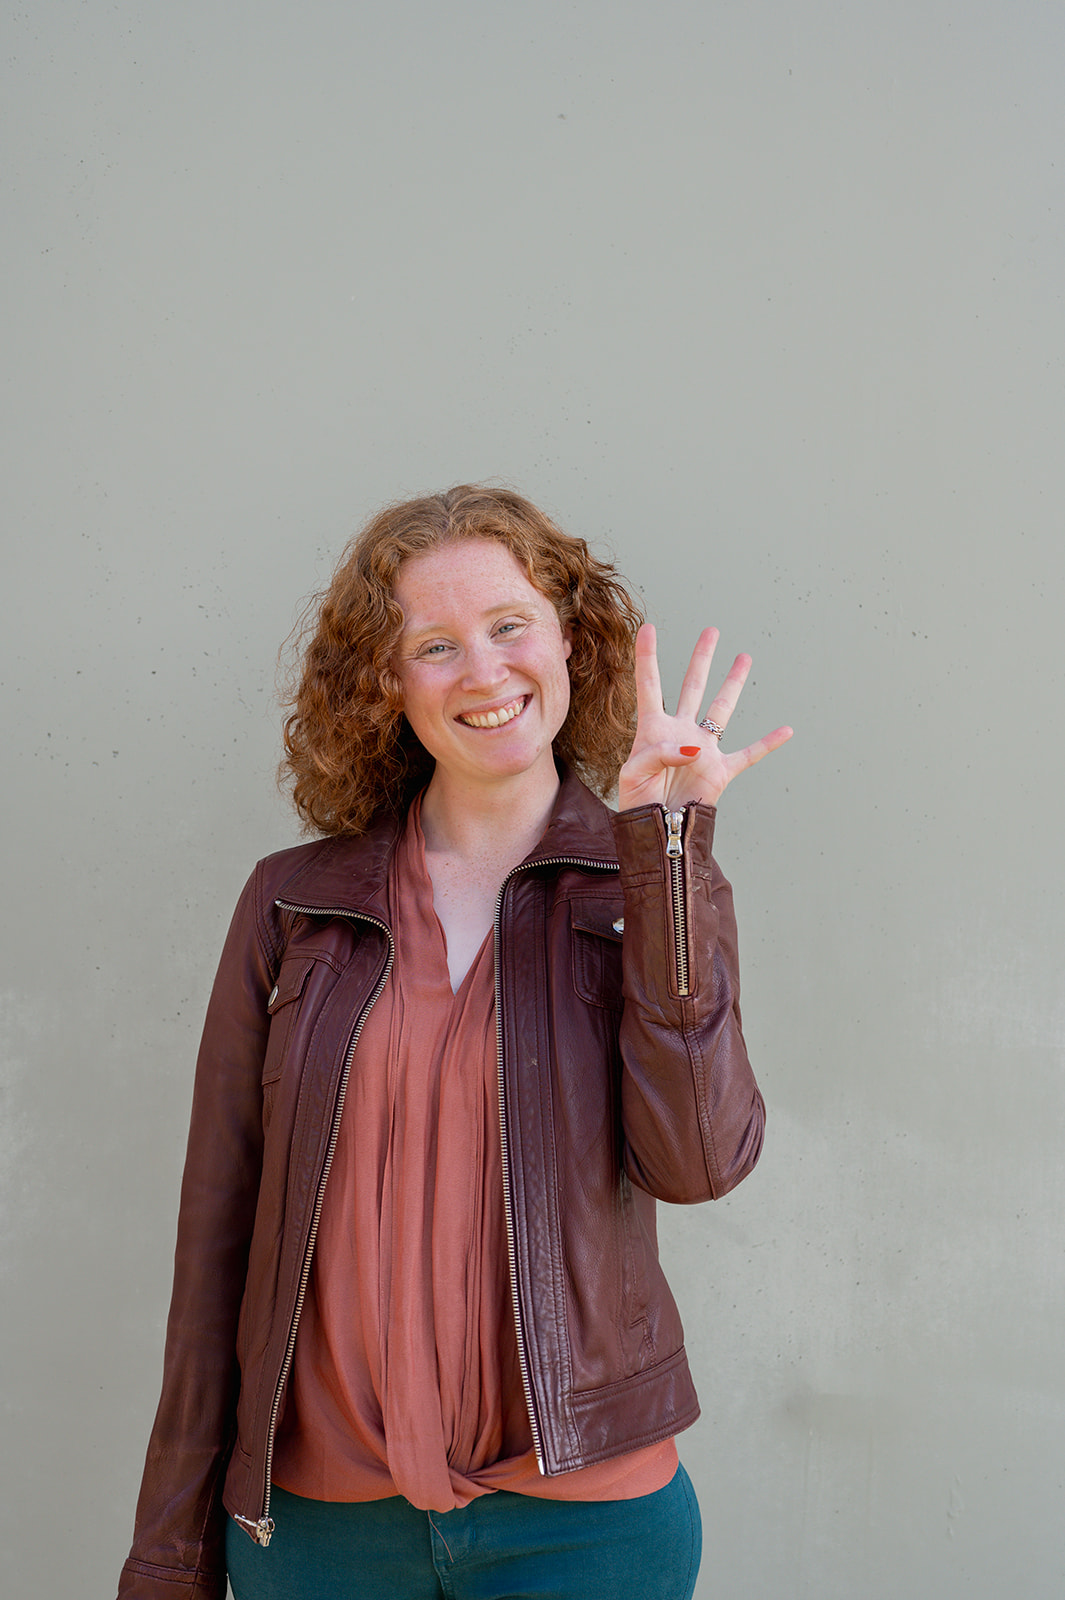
{"x": 415, "y": 629}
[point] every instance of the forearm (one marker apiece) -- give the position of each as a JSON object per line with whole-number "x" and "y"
{"x": 692, "y": 1114}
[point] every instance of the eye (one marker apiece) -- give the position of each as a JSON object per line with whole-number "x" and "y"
{"x": 437, "y": 648}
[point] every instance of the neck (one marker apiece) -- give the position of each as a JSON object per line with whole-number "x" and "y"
{"x": 502, "y": 820}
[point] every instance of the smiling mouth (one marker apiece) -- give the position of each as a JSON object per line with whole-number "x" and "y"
{"x": 497, "y": 718}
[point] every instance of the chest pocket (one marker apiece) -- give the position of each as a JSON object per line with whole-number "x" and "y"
{"x": 284, "y": 1004}
{"x": 597, "y": 929}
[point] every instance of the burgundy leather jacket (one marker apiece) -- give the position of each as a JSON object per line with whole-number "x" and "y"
{"x": 623, "y": 1076}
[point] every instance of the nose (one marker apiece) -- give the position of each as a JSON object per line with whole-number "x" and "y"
{"x": 483, "y": 668}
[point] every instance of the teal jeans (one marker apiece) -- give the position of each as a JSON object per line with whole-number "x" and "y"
{"x": 500, "y": 1547}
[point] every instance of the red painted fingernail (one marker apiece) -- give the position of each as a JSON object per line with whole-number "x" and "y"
{"x": 689, "y": 749}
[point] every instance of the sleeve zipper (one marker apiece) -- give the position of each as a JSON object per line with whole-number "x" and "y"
{"x": 674, "y": 821}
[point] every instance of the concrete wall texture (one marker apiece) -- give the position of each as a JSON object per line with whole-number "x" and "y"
{"x": 765, "y": 298}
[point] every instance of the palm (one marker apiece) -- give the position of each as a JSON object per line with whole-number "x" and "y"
{"x": 675, "y": 762}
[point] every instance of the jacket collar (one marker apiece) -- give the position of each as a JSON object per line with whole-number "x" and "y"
{"x": 349, "y": 874}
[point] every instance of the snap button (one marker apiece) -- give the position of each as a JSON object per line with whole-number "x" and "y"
{"x": 619, "y": 925}
{"x": 273, "y": 997}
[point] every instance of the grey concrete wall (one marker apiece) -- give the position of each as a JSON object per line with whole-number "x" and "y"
{"x": 768, "y": 299}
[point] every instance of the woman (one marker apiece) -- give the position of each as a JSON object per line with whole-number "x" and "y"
{"x": 500, "y": 1021}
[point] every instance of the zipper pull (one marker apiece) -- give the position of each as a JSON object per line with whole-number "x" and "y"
{"x": 675, "y": 829}
{"x": 261, "y": 1531}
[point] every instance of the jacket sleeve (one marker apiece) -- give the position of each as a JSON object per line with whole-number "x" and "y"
{"x": 178, "y": 1546}
{"x": 692, "y": 1114}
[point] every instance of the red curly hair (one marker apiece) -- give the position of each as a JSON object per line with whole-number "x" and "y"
{"x": 349, "y": 751}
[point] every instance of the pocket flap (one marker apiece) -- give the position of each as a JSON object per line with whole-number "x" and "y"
{"x": 290, "y": 981}
{"x": 600, "y": 917}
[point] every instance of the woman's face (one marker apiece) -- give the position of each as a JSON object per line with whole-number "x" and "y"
{"x": 482, "y": 662}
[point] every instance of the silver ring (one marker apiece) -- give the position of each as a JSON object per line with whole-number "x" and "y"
{"x": 711, "y": 727}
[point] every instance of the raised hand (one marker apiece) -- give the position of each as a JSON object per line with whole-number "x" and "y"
{"x": 676, "y": 760}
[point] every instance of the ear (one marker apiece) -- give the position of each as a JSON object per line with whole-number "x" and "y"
{"x": 567, "y": 641}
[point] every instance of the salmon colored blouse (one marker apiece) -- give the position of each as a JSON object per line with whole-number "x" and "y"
{"x": 405, "y": 1378}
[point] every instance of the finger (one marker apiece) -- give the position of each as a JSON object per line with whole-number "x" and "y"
{"x": 648, "y": 682}
{"x": 724, "y": 703}
{"x": 740, "y": 760}
{"x": 650, "y": 762}
{"x": 694, "y": 686}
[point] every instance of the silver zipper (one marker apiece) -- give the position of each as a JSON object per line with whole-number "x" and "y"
{"x": 263, "y": 1529}
{"x": 675, "y": 856}
{"x": 508, "y": 1197}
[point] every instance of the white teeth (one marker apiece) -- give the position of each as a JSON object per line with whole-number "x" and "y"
{"x": 494, "y": 719}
